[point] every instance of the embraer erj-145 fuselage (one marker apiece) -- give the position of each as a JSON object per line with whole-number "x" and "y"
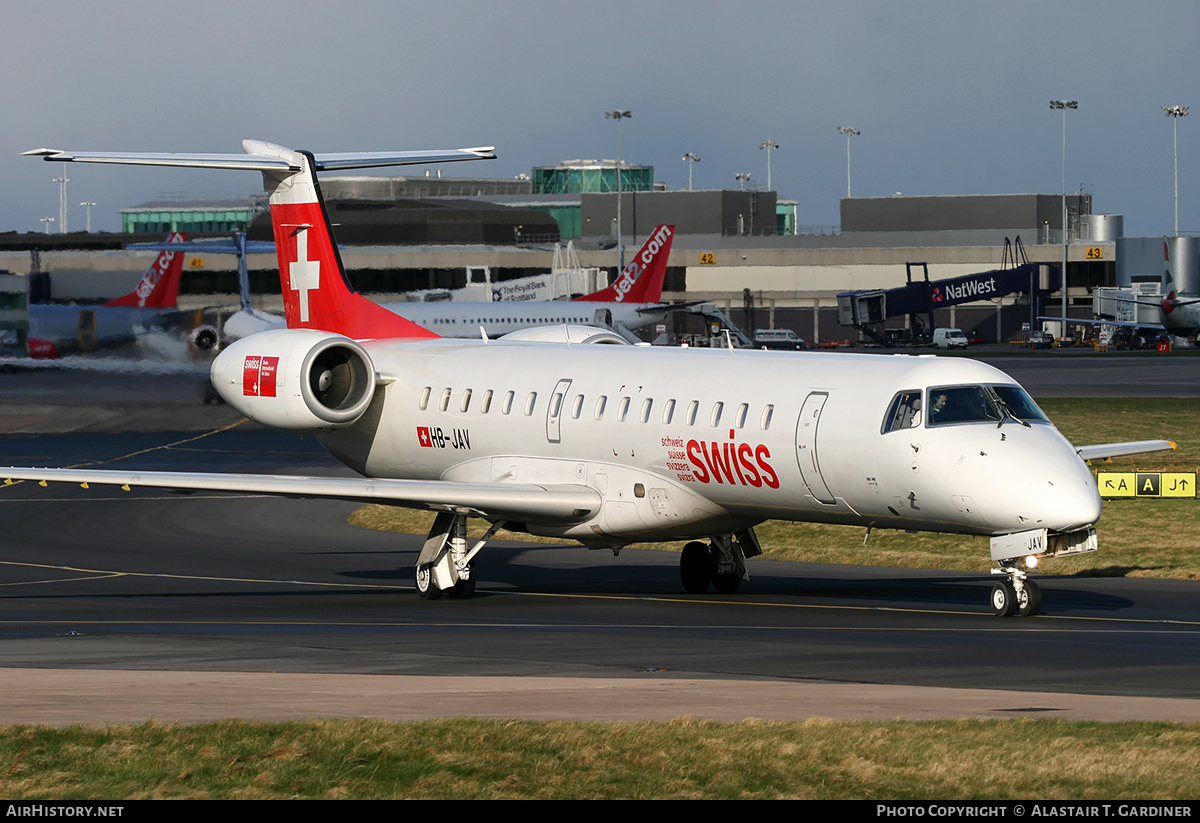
{"x": 681, "y": 443}
{"x": 613, "y": 444}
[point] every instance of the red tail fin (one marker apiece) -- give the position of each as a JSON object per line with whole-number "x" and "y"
{"x": 642, "y": 279}
{"x": 159, "y": 286}
{"x": 316, "y": 293}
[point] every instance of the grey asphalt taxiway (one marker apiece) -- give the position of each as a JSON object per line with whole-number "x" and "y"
{"x": 124, "y": 606}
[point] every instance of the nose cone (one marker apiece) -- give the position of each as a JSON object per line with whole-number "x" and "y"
{"x": 1051, "y": 486}
{"x": 1069, "y": 504}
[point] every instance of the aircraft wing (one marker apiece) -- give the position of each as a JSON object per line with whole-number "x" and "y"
{"x": 209, "y": 247}
{"x": 654, "y": 307}
{"x": 1107, "y": 450}
{"x": 502, "y": 501}
{"x": 1178, "y": 301}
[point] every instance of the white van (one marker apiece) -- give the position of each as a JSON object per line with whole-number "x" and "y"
{"x": 949, "y": 339}
{"x": 779, "y": 339}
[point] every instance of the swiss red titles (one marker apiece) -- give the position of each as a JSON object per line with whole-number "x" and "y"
{"x": 733, "y": 463}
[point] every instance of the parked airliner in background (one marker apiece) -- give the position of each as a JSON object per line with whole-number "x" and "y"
{"x": 58, "y": 330}
{"x": 615, "y": 445}
{"x": 1179, "y": 314}
{"x": 629, "y": 304}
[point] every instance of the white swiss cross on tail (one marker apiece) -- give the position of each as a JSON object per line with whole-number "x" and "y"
{"x": 304, "y": 274}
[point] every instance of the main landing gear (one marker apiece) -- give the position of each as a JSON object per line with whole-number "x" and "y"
{"x": 1018, "y": 595}
{"x": 721, "y": 563}
{"x": 445, "y": 565}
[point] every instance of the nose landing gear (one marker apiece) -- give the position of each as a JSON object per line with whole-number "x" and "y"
{"x": 1018, "y": 595}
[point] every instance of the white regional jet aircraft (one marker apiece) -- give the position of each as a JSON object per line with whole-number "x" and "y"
{"x": 615, "y": 445}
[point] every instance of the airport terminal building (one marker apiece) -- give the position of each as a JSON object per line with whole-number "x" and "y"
{"x": 739, "y": 248}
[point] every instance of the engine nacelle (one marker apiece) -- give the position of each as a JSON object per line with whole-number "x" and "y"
{"x": 296, "y": 380}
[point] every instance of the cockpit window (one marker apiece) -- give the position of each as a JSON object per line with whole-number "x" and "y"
{"x": 961, "y": 404}
{"x": 904, "y": 412}
{"x": 1019, "y": 404}
{"x": 949, "y": 405}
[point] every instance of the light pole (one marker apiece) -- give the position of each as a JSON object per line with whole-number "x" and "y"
{"x": 849, "y": 131}
{"x": 619, "y": 115}
{"x": 46, "y": 221}
{"x": 742, "y": 177}
{"x": 768, "y": 145}
{"x": 690, "y": 159}
{"x": 62, "y": 200}
{"x": 1064, "y": 105}
{"x": 1175, "y": 112}
{"x": 87, "y": 205}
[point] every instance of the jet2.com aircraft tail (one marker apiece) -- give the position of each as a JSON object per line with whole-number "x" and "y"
{"x": 642, "y": 280}
{"x": 159, "y": 286}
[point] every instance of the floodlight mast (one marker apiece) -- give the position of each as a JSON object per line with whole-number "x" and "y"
{"x": 619, "y": 115}
{"x": 62, "y": 200}
{"x": 1063, "y": 105}
{"x": 87, "y": 205}
{"x": 849, "y": 131}
{"x": 769, "y": 145}
{"x": 690, "y": 159}
{"x": 1175, "y": 112}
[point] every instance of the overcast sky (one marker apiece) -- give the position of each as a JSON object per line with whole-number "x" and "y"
{"x": 950, "y": 97}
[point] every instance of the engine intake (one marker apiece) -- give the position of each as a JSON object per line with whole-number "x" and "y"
{"x": 296, "y": 379}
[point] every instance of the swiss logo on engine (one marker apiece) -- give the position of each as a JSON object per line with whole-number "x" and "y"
{"x": 259, "y": 376}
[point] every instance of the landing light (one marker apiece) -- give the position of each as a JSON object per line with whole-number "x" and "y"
{"x": 1031, "y": 562}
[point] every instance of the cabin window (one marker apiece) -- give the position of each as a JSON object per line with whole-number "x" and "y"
{"x": 765, "y": 422}
{"x": 578, "y": 409}
{"x": 486, "y": 406}
{"x": 601, "y": 401}
{"x": 466, "y": 401}
{"x": 904, "y": 411}
{"x": 668, "y": 412}
{"x": 556, "y": 404}
{"x": 428, "y": 390}
{"x": 529, "y": 403}
{"x": 445, "y": 404}
{"x": 646, "y": 404}
{"x": 508, "y": 401}
{"x": 692, "y": 409}
{"x": 739, "y": 419}
{"x": 623, "y": 410}
{"x": 714, "y": 419}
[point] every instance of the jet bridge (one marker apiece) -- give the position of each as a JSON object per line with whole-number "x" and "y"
{"x": 868, "y": 310}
